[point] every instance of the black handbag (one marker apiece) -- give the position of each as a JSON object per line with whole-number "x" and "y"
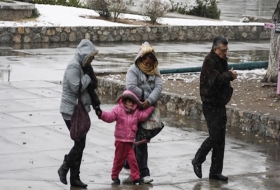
{"x": 144, "y": 135}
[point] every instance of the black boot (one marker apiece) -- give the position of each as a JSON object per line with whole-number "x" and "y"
{"x": 75, "y": 176}
{"x": 63, "y": 170}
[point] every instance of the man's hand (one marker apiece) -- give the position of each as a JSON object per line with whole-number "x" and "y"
{"x": 145, "y": 104}
{"x": 234, "y": 73}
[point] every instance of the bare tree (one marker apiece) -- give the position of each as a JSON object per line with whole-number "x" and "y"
{"x": 116, "y": 7}
{"x": 272, "y": 70}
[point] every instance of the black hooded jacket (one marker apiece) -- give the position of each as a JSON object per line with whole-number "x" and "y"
{"x": 215, "y": 80}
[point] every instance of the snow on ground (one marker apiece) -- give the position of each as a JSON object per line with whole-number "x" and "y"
{"x": 56, "y": 15}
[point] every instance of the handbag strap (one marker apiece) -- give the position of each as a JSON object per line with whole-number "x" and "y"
{"x": 79, "y": 91}
{"x": 142, "y": 95}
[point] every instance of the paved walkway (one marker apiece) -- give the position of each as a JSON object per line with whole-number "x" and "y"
{"x": 34, "y": 139}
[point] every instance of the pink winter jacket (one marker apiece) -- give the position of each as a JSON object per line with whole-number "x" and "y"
{"x": 126, "y": 123}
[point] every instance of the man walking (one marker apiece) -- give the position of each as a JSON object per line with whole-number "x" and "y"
{"x": 215, "y": 92}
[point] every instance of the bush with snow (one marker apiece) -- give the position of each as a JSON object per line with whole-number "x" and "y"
{"x": 203, "y": 8}
{"x": 101, "y": 7}
{"x": 108, "y": 8}
{"x": 206, "y": 8}
{"x": 153, "y": 9}
{"x": 182, "y": 6}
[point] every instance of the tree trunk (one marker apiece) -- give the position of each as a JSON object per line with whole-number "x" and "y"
{"x": 272, "y": 70}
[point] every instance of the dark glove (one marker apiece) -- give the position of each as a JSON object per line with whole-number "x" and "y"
{"x": 98, "y": 111}
{"x": 89, "y": 71}
{"x": 94, "y": 97}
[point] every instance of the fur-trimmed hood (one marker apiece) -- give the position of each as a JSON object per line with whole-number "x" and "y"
{"x": 85, "y": 51}
{"x": 126, "y": 119}
{"x": 144, "y": 49}
{"x": 132, "y": 96}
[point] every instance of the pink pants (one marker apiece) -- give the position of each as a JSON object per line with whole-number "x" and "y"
{"x": 124, "y": 151}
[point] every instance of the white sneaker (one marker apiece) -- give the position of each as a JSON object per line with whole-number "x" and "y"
{"x": 147, "y": 179}
{"x": 127, "y": 180}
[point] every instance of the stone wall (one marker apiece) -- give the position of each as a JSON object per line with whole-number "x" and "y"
{"x": 10, "y": 15}
{"x": 190, "y": 107}
{"x": 14, "y": 10}
{"x": 130, "y": 34}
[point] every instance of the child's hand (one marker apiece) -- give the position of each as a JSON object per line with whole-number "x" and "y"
{"x": 98, "y": 111}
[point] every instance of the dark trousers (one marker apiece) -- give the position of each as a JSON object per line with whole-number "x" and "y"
{"x": 75, "y": 155}
{"x": 216, "y": 120}
{"x": 141, "y": 152}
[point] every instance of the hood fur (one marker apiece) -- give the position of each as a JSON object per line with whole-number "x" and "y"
{"x": 132, "y": 96}
{"x": 85, "y": 52}
{"x": 144, "y": 49}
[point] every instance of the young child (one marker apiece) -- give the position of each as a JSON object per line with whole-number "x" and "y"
{"x": 127, "y": 115}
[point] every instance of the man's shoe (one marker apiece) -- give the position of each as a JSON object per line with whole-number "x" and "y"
{"x": 147, "y": 179}
{"x": 218, "y": 177}
{"x": 116, "y": 180}
{"x": 197, "y": 169}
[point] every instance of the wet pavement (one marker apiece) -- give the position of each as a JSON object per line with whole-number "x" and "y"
{"x": 26, "y": 63}
{"x": 34, "y": 139}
